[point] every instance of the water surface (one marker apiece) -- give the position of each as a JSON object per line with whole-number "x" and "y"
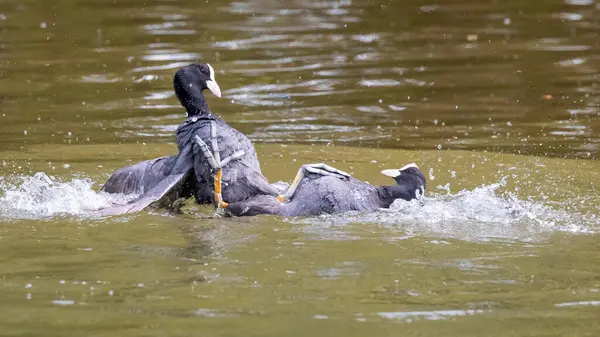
{"x": 496, "y": 101}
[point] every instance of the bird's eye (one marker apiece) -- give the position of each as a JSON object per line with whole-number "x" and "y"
{"x": 203, "y": 70}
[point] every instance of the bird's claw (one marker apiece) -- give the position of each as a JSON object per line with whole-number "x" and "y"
{"x": 320, "y": 169}
{"x": 325, "y": 170}
{"x": 215, "y": 162}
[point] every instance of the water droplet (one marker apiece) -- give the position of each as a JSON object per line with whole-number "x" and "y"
{"x": 439, "y": 146}
{"x": 28, "y": 286}
{"x": 431, "y": 176}
{"x": 472, "y": 37}
{"x": 25, "y": 132}
{"x": 66, "y": 165}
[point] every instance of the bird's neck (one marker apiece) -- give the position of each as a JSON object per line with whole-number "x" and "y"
{"x": 191, "y": 97}
{"x": 388, "y": 194}
{"x": 195, "y": 104}
{"x": 385, "y": 196}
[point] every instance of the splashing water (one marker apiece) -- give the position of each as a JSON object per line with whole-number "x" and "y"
{"x": 40, "y": 196}
{"x": 479, "y": 214}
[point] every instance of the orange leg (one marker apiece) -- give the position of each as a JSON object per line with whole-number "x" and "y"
{"x": 218, "y": 190}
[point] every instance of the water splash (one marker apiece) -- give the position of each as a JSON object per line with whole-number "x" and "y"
{"x": 482, "y": 213}
{"x": 41, "y": 195}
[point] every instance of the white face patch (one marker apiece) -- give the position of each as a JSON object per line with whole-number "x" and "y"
{"x": 407, "y": 166}
{"x": 397, "y": 172}
{"x": 212, "y": 84}
{"x": 391, "y": 173}
{"x": 212, "y": 72}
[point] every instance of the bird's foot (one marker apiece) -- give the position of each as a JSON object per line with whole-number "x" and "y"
{"x": 215, "y": 162}
{"x": 320, "y": 169}
{"x": 325, "y": 170}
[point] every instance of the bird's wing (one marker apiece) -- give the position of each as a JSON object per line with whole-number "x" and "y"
{"x": 163, "y": 195}
{"x": 159, "y": 183}
{"x": 141, "y": 177}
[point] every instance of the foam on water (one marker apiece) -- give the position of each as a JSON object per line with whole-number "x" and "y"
{"x": 481, "y": 213}
{"x": 41, "y": 196}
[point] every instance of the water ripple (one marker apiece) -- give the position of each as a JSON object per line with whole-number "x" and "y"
{"x": 434, "y": 315}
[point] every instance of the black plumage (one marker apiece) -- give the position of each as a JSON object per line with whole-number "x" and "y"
{"x": 188, "y": 171}
{"x": 317, "y": 194}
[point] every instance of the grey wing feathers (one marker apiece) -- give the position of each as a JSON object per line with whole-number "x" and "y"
{"x": 159, "y": 182}
{"x": 163, "y": 195}
{"x": 141, "y": 177}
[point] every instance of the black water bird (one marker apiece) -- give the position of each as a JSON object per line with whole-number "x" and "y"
{"x": 322, "y": 189}
{"x": 317, "y": 194}
{"x": 165, "y": 181}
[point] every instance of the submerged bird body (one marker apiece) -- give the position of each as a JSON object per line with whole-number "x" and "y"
{"x": 314, "y": 196}
{"x": 318, "y": 194}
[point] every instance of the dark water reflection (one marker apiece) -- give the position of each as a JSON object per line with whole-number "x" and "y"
{"x": 511, "y": 76}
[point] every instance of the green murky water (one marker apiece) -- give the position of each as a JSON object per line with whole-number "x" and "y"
{"x": 497, "y": 101}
